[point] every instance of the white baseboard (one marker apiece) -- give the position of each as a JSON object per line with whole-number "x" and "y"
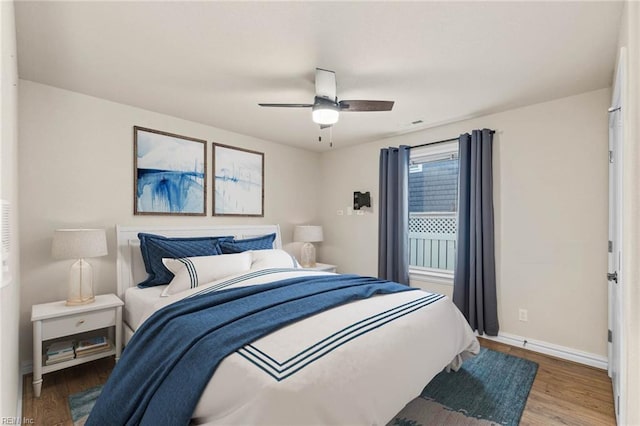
{"x": 551, "y": 349}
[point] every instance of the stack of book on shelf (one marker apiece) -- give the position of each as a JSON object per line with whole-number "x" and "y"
{"x": 92, "y": 345}
{"x": 59, "y": 352}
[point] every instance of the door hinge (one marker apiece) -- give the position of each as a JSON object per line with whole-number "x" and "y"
{"x": 612, "y": 277}
{"x": 611, "y": 156}
{"x": 610, "y": 246}
{"x": 609, "y": 336}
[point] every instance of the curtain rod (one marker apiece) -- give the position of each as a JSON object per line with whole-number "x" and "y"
{"x": 433, "y": 143}
{"x": 442, "y": 141}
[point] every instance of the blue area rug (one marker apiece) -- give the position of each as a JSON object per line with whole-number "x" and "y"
{"x": 490, "y": 389}
{"x": 81, "y": 404}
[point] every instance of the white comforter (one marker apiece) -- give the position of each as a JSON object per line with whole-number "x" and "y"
{"x": 363, "y": 375}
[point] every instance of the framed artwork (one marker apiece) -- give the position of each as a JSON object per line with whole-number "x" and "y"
{"x": 170, "y": 174}
{"x": 238, "y": 181}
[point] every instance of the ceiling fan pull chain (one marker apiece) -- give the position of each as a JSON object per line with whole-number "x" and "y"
{"x": 331, "y": 137}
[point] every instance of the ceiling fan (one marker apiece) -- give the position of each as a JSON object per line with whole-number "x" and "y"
{"x": 325, "y": 109}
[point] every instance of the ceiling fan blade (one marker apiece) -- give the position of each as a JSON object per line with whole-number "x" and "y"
{"x": 287, "y": 105}
{"x": 326, "y": 84}
{"x": 325, "y": 126}
{"x": 366, "y": 105}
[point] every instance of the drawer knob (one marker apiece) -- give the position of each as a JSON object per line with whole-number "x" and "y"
{"x": 80, "y": 323}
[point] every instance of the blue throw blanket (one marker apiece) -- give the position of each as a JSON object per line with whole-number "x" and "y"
{"x": 155, "y": 382}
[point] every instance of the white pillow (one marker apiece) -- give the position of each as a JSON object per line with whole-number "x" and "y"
{"x": 275, "y": 258}
{"x": 190, "y": 272}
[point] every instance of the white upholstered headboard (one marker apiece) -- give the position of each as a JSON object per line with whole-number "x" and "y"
{"x": 130, "y": 267}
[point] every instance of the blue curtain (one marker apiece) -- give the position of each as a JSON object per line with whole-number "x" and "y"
{"x": 393, "y": 225}
{"x": 474, "y": 285}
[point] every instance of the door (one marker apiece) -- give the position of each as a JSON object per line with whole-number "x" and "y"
{"x": 615, "y": 275}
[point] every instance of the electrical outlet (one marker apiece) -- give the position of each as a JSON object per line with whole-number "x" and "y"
{"x": 360, "y": 212}
{"x": 523, "y": 315}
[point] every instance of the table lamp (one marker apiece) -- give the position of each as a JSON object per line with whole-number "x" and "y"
{"x": 307, "y": 234}
{"x": 79, "y": 244}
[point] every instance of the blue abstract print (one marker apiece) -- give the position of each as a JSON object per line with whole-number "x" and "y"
{"x": 238, "y": 180}
{"x": 170, "y": 174}
{"x": 170, "y": 191}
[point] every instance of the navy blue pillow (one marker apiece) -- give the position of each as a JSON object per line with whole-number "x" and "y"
{"x": 264, "y": 242}
{"x": 156, "y": 247}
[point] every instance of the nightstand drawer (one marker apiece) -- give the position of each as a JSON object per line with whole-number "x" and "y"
{"x": 79, "y": 323}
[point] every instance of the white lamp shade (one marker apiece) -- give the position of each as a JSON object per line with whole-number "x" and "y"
{"x": 79, "y": 243}
{"x": 307, "y": 234}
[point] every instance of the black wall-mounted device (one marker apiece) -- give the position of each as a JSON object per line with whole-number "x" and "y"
{"x": 361, "y": 199}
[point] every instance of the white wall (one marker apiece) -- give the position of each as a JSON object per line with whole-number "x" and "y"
{"x": 550, "y": 199}
{"x": 9, "y": 295}
{"x": 76, "y": 170}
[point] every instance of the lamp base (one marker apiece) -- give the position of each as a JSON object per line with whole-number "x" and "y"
{"x": 80, "y": 284}
{"x": 308, "y": 255}
{"x": 80, "y": 302}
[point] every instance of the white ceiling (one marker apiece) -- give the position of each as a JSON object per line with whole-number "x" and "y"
{"x": 212, "y": 62}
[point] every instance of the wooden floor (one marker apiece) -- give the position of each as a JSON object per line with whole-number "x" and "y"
{"x": 52, "y": 408}
{"x": 563, "y": 393}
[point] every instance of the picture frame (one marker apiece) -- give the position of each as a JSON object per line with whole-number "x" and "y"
{"x": 238, "y": 181}
{"x": 169, "y": 174}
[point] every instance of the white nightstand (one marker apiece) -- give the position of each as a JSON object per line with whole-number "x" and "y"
{"x": 323, "y": 267}
{"x": 56, "y": 320}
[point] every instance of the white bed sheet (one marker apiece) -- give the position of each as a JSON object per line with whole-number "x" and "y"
{"x": 138, "y": 302}
{"x": 363, "y": 383}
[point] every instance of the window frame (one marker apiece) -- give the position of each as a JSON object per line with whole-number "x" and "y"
{"x": 421, "y": 155}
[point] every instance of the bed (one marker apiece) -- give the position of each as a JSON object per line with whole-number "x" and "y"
{"x": 355, "y": 363}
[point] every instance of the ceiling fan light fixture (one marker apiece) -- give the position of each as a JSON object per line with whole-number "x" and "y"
{"x": 325, "y": 114}
{"x": 326, "y": 108}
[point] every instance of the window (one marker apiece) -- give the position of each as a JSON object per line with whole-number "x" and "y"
{"x": 433, "y": 209}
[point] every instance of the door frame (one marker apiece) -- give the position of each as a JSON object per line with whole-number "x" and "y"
{"x": 616, "y": 204}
